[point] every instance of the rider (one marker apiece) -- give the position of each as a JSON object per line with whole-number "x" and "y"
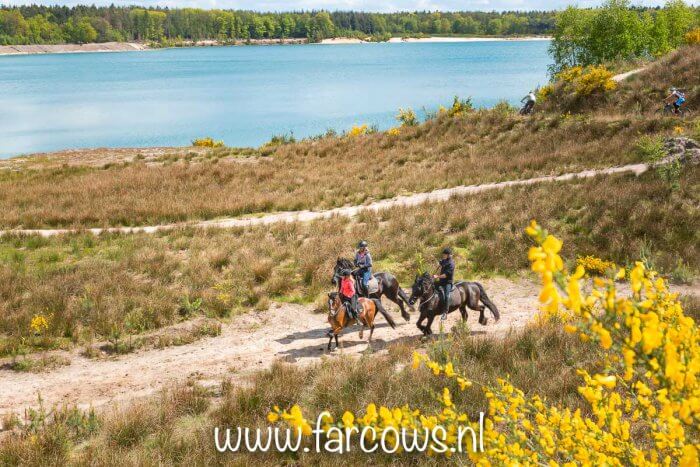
{"x": 677, "y": 97}
{"x": 363, "y": 263}
{"x": 347, "y": 291}
{"x": 444, "y": 279}
{"x": 529, "y": 102}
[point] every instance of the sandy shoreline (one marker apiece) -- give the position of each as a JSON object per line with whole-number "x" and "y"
{"x": 71, "y": 48}
{"x": 136, "y": 46}
{"x": 396, "y": 40}
{"x": 130, "y": 46}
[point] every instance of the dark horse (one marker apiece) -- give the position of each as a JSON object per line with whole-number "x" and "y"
{"x": 464, "y": 294}
{"x": 388, "y": 286}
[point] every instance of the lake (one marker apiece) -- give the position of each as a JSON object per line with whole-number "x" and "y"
{"x": 244, "y": 95}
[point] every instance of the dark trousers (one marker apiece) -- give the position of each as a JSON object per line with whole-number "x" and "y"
{"x": 445, "y": 291}
{"x": 352, "y": 301}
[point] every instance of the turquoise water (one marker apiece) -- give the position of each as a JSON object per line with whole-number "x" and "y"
{"x": 244, "y": 95}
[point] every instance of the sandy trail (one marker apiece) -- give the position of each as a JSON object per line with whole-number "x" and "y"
{"x": 250, "y": 342}
{"x": 624, "y": 76}
{"x": 346, "y": 211}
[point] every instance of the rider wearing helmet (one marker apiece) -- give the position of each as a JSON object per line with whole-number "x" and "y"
{"x": 363, "y": 263}
{"x": 445, "y": 278}
{"x": 529, "y": 102}
{"x": 677, "y": 97}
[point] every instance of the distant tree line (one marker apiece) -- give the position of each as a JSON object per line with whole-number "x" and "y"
{"x": 619, "y": 31}
{"x": 38, "y": 24}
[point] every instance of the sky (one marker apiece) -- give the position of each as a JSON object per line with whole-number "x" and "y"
{"x": 362, "y": 5}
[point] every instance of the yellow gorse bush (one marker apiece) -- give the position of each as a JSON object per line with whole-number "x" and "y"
{"x": 651, "y": 353}
{"x": 545, "y": 91}
{"x": 569, "y": 75}
{"x": 207, "y": 143}
{"x": 594, "y": 265}
{"x": 358, "y": 130}
{"x": 393, "y": 131}
{"x": 645, "y": 402}
{"x": 595, "y": 79}
{"x": 693, "y": 37}
{"x": 587, "y": 81}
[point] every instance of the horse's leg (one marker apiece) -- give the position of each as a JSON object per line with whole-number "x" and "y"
{"x": 330, "y": 340}
{"x": 362, "y": 330}
{"x": 395, "y": 296}
{"x": 483, "y": 320}
{"x": 336, "y": 342}
{"x": 473, "y": 299}
{"x": 419, "y": 325}
{"x": 463, "y": 311}
{"x": 371, "y": 331}
{"x": 428, "y": 326}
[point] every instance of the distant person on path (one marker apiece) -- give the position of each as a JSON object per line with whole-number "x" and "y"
{"x": 445, "y": 279}
{"x": 363, "y": 263}
{"x": 529, "y": 102}
{"x": 677, "y": 98}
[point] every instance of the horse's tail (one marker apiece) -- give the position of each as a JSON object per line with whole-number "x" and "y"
{"x": 487, "y": 301}
{"x": 404, "y": 297}
{"x": 387, "y": 316}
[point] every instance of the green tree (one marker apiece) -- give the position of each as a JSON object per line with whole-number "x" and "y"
{"x": 79, "y": 31}
{"x": 321, "y": 27}
{"x": 680, "y": 19}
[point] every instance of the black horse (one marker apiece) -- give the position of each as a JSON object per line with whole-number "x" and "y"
{"x": 464, "y": 294}
{"x": 388, "y": 286}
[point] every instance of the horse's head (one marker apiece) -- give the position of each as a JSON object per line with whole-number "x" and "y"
{"x": 421, "y": 288}
{"x": 340, "y": 265}
{"x": 334, "y": 303}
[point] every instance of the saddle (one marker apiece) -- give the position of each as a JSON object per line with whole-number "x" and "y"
{"x": 372, "y": 286}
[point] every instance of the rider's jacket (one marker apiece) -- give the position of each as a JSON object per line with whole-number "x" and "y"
{"x": 447, "y": 267}
{"x": 363, "y": 261}
{"x": 347, "y": 287}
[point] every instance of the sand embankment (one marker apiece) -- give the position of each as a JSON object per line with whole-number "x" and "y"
{"x": 71, "y": 48}
{"x": 468, "y": 39}
{"x": 395, "y": 40}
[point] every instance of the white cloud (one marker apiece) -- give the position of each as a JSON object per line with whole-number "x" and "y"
{"x": 363, "y": 5}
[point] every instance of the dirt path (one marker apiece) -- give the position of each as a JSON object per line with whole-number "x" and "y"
{"x": 624, "y": 76}
{"x": 248, "y": 343}
{"x": 346, "y": 211}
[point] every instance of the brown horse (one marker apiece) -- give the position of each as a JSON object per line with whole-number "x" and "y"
{"x": 339, "y": 319}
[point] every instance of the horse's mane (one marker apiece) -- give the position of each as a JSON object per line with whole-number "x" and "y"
{"x": 345, "y": 263}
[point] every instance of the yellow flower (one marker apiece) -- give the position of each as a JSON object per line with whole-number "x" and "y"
{"x": 39, "y": 324}
{"x": 348, "y": 420}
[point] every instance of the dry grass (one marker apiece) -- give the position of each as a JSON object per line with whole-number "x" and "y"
{"x": 484, "y": 146}
{"x": 95, "y": 287}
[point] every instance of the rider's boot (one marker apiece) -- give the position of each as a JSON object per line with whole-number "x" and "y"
{"x": 445, "y": 308}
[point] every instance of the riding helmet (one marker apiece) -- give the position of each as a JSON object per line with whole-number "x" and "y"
{"x": 447, "y": 251}
{"x": 346, "y": 272}
{"x": 362, "y": 244}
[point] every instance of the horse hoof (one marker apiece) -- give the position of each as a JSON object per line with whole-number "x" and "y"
{"x": 484, "y": 322}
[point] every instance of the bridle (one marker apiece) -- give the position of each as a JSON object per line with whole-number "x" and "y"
{"x": 331, "y": 311}
{"x": 425, "y": 301}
